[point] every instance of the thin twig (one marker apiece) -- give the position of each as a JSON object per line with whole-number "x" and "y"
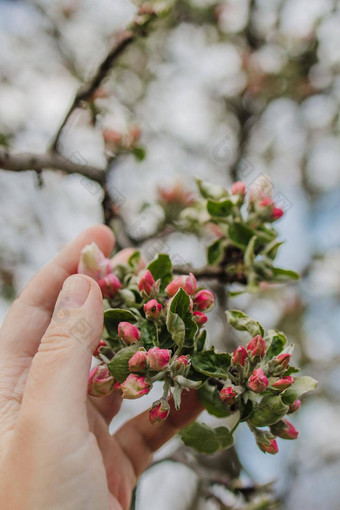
{"x": 86, "y": 91}
{"x": 215, "y": 273}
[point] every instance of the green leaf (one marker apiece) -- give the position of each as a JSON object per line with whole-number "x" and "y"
{"x": 215, "y": 251}
{"x": 220, "y": 208}
{"x": 208, "y": 190}
{"x": 209, "y": 396}
{"x": 205, "y": 439}
{"x": 283, "y": 275}
{"x": 271, "y": 249}
{"x": 240, "y": 234}
{"x": 119, "y": 365}
{"x": 211, "y": 363}
{"x": 249, "y": 254}
{"x": 201, "y": 340}
{"x": 114, "y": 316}
{"x": 161, "y": 268}
{"x": 301, "y": 386}
{"x": 134, "y": 260}
{"x": 291, "y": 370}
{"x": 179, "y": 319}
{"x": 269, "y": 411}
{"x": 139, "y": 153}
{"x": 240, "y": 321}
{"x": 275, "y": 342}
{"x": 149, "y": 335}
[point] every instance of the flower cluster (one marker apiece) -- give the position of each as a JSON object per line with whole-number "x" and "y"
{"x": 143, "y": 343}
{"x": 155, "y": 333}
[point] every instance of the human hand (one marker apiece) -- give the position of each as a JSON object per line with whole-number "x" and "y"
{"x": 55, "y": 448}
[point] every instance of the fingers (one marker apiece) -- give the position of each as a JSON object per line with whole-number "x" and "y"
{"x": 57, "y": 381}
{"x": 140, "y": 439}
{"x": 109, "y": 406}
{"x": 31, "y": 313}
{"x": 29, "y": 316}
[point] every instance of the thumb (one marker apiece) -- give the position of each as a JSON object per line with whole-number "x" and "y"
{"x": 57, "y": 381}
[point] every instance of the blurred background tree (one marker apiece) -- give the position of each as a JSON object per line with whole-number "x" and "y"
{"x": 223, "y": 90}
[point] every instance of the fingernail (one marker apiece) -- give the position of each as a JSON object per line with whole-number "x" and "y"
{"x": 74, "y": 292}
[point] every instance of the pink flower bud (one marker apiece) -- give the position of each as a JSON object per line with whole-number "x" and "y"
{"x": 256, "y": 347}
{"x": 158, "y": 359}
{"x": 284, "y": 429}
{"x": 228, "y": 395}
{"x": 138, "y": 362}
{"x": 101, "y": 344}
{"x": 93, "y": 262}
{"x": 277, "y": 213}
{"x": 134, "y": 386}
{"x": 129, "y": 333}
{"x": 186, "y": 282}
{"x": 182, "y": 361}
{"x": 258, "y": 382}
{"x": 295, "y": 406}
{"x": 204, "y": 300}
{"x": 159, "y": 411}
{"x": 100, "y": 382}
{"x": 146, "y": 283}
{"x": 240, "y": 356}
{"x": 283, "y": 383}
{"x": 268, "y": 448}
{"x": 200, "y": 318}
{"x": 281, "y": 361}
{"x": 267, "y": 202}
{"x": 152, "y": 309}
{"x": 238, "y": 188}
{"x": 109, "y": 285}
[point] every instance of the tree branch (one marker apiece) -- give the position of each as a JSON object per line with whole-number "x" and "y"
{"x": 215, "y": 273}
{"x": 86, "y": 91}
{"x": 20, "y": 162}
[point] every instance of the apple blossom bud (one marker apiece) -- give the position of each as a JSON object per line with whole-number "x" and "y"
{"x": 240, "y": 356}
{"x": 134, "y": 386}
{"x": 267, "y": 202}
{"x": 152, "y": 309}
{"x": 228, "y": 395}
{"x": 159, "y": 411}
{"x": 129, "y": 333}
{"x": 138, "y": 362}
{"x": 277, "y": 213}
{"x": 200, "y": 318}
{"x": 238, "y": 188}
{"x": 146, "y": 283}
{"x": 258, "y": 382}
{"x": 295, "y": 406}
{"x": 101, "y": 344}
{"x": 268, "y": 448}
{"x": 93, "y": 262}
{"x": 112, "y": 137}
{"x": 186, "y": 282}
{"x": 283, "y": 383}
{"x": 284, "y": 429}
{"x": 280, "y": 363}
{"x": 158, "y": 359}
{"x": 204, "y": 300}
{"x": 109, "y": 285}
{"x": 182, "y": 361}
{"x": 101, "y": 382}
{"x": 256, "y": 347}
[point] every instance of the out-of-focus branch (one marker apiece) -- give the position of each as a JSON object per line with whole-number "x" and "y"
{"x": 86, "y": 91}
{"x": 215, "y": 273}
{"x": 20, "y": 162}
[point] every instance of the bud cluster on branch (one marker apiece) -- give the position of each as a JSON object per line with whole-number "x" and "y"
{"x": 155, "y": 332}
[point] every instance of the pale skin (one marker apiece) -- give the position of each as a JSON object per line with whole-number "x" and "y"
{"x": 55, "y": 448}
